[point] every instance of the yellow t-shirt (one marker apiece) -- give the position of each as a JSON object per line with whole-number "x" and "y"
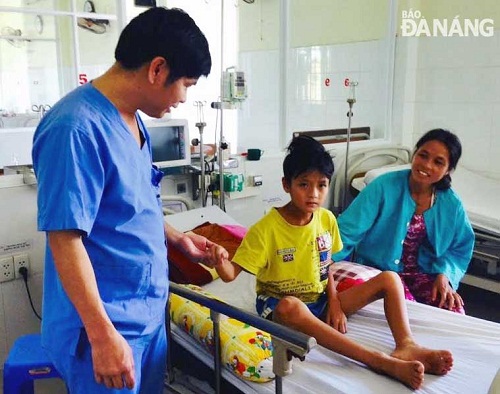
{"x": 288, "y": 259}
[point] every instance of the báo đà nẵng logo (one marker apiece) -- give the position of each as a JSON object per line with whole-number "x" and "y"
{"x": 413, "y": 24}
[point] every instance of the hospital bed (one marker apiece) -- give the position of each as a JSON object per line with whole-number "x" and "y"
{"x": 360, "y": 161}
{"x": 473, "y": 342}
{"x": 479, "y": 195}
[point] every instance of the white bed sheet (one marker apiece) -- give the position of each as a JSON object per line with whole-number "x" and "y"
{"x": 475, "y": 343}
{"x": 480, "y": 197}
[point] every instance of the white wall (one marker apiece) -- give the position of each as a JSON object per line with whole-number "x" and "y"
{"x": 329, "y": 40}
{"x": 453, "y": 83}
{"x": 18, "y": 219}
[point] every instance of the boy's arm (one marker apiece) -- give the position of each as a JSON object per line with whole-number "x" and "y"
{"x": 226, "y": 269}
{"x": 335, "y": 316}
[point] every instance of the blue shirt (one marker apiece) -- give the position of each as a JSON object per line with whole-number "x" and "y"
{"x": 376, "y": 223}
{"x": 93, "y": 177}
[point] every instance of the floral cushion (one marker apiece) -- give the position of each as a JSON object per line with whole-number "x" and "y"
{"x": 245, "y": 350}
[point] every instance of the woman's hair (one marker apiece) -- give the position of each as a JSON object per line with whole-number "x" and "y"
{"x": 169, "y": 33}
{"x": 454, "y": 147}
{"x": 306, "y": 154}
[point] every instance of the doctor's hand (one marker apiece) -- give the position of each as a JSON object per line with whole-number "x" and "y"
{"x": 113, "y": 361}
{"x": 442, "y": 290}
{"x": 197, "y": 247}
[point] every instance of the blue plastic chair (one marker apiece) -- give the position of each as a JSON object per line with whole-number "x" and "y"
{"x": 27, "y": 361}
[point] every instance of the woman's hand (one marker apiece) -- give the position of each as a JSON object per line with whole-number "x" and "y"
{"x": 335, "y": 316}
{"x": 448, "y": 298}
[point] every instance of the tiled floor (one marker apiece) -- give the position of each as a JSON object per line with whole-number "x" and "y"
{"x": 56, "y": 386}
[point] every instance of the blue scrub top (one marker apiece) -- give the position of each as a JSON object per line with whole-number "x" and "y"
{"x": 93, "y": 177}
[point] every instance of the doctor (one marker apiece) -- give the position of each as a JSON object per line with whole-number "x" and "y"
{"x": 413, "y": 223}
{"x": 106, "y": 273}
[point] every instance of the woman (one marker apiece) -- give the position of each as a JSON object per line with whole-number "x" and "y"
{"x": 413, "y": 223}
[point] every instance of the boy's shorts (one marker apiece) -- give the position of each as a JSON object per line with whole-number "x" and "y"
{"x": 266, "y": 305}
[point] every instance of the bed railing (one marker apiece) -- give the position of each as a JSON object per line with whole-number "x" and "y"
{"x": 287, "y": 343}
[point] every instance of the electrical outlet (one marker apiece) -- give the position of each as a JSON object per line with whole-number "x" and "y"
{"x": 6, "y": 269}
{"x": 20, "y": 260}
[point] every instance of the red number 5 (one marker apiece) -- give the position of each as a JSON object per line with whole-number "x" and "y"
{"x": 82, "y": 79}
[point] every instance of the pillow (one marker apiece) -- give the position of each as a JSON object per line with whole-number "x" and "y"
{"x": 182, "y": 270}
{"x": 374, "y": 173}
{"x": 347, "y": 274}
{"x": 245, "y": 350}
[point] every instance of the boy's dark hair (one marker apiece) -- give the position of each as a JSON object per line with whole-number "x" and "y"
{"x": 454, "y": 147}
{"x": 306, "y": 154}
{"x": 169, "y": 33}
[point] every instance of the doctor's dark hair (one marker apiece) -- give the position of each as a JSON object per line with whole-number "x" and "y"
{"x": 169, "y": 33}
{"x": 453, "y": 146}
{"x": 306, "y": 154}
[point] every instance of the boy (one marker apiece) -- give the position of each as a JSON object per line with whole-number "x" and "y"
{"x": 289, "y": 250}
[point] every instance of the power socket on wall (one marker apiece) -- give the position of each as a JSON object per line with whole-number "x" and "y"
{"x": 6, "y": 268}
{"x": 21, "y": 260}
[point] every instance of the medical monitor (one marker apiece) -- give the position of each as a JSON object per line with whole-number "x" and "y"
{"x": 169, "y": 142}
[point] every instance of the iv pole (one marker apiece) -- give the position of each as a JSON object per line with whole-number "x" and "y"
{"x": 201, "y": 125}
{"x": 222, "y": 204}
{"x": 351, "y": 100}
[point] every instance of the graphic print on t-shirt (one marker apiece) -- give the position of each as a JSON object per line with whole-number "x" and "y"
{"x": 324, "y": 248}
{"x": 287, "y": 254}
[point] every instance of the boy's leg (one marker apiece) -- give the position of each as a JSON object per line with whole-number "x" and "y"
{"x": 388, "y": 285}
{"x": 293, "y": 313}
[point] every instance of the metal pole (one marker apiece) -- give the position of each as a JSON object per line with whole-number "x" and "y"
{"x": 351, "y": 100}
{"x": 222, "y": 204}
{"x": 201, "y": 125}
{"x": 215, "y": 316}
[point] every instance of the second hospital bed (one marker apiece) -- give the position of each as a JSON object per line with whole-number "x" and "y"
{"x": 474, "y": 342}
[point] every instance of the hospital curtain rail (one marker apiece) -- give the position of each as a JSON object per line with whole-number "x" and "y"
{"x": 287, "y": 343}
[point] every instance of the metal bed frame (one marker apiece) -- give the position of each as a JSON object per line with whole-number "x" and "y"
{"x": 487, "y": 249}
{"x": 360, "y": 161}
{"x": 287, "y": 343}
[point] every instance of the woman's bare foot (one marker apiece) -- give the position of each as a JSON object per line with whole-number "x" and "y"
{"x": 411, "y": 373}
{"x": 436, "y": 362}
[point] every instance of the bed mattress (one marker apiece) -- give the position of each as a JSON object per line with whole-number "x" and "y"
{"x": 480, "y": 197}
{"x": 474, "y": 342}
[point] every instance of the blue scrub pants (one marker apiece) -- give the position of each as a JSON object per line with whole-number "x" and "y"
{"x": 150, "y": 359}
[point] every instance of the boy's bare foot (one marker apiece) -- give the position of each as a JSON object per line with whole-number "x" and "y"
{"x": 411, "y": 373}
{"x": 437, "y": 362}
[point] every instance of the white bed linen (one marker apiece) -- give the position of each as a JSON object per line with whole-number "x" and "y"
{"x": 475, "y": 343}
{"x": 480, "y": 197}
